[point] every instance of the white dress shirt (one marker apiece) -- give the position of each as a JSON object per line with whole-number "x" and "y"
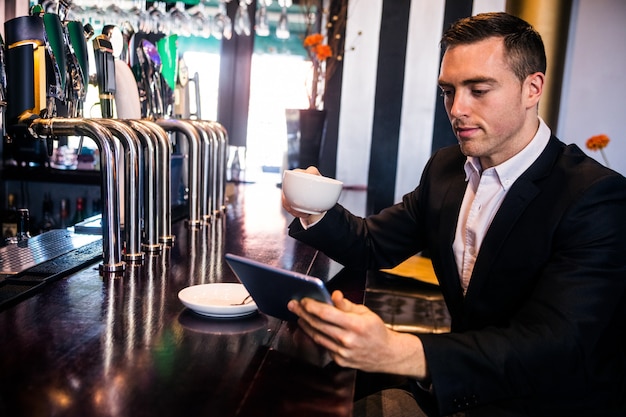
{"x": 483, "y": 196}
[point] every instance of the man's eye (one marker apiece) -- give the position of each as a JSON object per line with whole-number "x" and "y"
{"x": 446, "y": 93}
{"x": 479, "y": 92}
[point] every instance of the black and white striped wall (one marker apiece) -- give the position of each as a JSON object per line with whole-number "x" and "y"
{"x": 390, "y": 116}
{"x": 389, "y": 92}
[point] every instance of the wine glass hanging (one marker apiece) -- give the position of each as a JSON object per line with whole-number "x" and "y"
{"x": 242, "y": 19}
{"x": 207, "y": 18}
{"x": 262, "y": 27}
{"x": 282, "y": 29}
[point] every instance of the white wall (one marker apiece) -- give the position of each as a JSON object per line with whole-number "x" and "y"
{"x": 594, "y": 89}
{"x": 358, "y": 90}
{"x": 420, "y": 92}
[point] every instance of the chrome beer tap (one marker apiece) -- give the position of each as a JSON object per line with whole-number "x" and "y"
{"x": 207, "y": 164}
{"x": 133, "y": 163}
{"x": 44, "y": 128}
{"x": 149, "y": 144}
{"x": 164, "y": 186}
{"x": 3, "y": 91}
{"x": 195, "y": 143}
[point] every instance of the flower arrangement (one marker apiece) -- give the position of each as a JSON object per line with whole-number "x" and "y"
{"x": 317, "y": 49}
{"x": 324, "y": 43}
{"x": 598, "y": 143}
{"x": 318, "y": 52}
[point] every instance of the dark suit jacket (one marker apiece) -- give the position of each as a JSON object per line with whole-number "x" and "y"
{"x": 542, "y": 328}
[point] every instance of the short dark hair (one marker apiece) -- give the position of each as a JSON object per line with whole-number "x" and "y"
{"x": 523, "y": 44}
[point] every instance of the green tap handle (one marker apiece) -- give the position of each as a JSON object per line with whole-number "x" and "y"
{"x": 169, "y": 58}
{"x": 54, "y": 33}
{"x": 79, "y": 43}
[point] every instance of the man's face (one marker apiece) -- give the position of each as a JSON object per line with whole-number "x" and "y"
{"x": 492, "y": 113}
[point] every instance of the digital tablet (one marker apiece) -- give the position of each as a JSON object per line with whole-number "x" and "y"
{"x": 272, "y": 288}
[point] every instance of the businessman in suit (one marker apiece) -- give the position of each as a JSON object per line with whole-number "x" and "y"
{"x": 528, "y": 240}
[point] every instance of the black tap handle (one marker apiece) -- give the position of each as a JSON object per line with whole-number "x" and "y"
{"x": 49, "y": 145}
{"x": 105, "y": 73}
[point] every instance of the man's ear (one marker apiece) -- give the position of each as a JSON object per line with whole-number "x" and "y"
{"x": 533, "y": 88}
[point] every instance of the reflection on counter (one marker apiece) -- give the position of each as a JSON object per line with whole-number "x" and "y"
{"x": 191, "y": 321}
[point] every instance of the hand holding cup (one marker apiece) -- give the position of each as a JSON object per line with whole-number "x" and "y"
{"x": 307, "y": 194}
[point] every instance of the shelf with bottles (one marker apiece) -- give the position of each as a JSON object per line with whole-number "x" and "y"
{"x": 47, "y": 174}
{"x": 50, "y": 207}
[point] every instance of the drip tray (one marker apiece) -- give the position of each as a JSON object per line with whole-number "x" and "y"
{"x": 26, "y": 267}
{"x": 89, "y": 226}
{"x": 19, "y": 257}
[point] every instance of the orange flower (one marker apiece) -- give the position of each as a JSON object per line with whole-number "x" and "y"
{"x": 598, "y": 142}
{"x": 313, "y": 40}
{"x": 323, "y": 52}
{"x": 316, "y": 48}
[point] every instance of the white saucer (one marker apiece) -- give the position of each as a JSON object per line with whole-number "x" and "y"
{"x": 216, "y": 300}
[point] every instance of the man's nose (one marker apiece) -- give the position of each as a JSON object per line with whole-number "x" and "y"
{"x": 459, "y": 105}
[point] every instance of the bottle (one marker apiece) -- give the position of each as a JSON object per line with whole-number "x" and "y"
{"x": 47, "y": 222}
{"x": 64, "y": 213}
{"x": 22, "y": 230}
{"x": 23, "y": 225}
{"x": 79, "y": 213}
{"x": 10, "y": 218}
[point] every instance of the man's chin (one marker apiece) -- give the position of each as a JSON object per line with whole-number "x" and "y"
{"x": 467, "y": 149}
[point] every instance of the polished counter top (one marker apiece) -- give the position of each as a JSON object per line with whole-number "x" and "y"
{"x": 88, "y": 345}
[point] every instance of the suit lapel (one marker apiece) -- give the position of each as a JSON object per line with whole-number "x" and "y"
{"x": 449, "y": 218}
{"x": 512, "y": 208}
{"x": 517, "y": 199}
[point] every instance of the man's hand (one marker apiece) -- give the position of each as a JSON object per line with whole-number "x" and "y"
{"x": 357, "y": 338}
{"x": 306, "y": 217}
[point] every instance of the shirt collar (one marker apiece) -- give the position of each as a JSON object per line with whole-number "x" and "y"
{"x": 511, "y": 169}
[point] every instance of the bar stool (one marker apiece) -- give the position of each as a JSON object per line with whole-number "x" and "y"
{"x": 408, "y": 298}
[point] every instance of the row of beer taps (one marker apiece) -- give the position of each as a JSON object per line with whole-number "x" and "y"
{"x": 44, "y": 71}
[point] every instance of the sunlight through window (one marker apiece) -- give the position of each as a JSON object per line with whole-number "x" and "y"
{"x": 278, "y": 83}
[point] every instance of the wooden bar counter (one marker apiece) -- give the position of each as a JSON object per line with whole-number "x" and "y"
{"x": 87, "y": 345}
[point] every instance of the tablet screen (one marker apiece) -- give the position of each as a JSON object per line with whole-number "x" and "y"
{"x": 272, "y": 288}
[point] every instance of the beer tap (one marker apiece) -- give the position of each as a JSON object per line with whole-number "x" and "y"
{"x": 222, "y": 153}
{"x": 149, "y": 148}
{"x": 163, "y": 181}
{"x": 78, "y": 67}
{"x": 28, "y": 63}
{"x": 195, "y": 174}
{"x": 208, "y": 164}
{"x": 3, "y": 91}
{"x": 105, "y": 73}
{"x": 56, "y": 63}
{"x": 111, "y": 243}
{"x": 133, "y": 184}
{"x": 150, "y": 65}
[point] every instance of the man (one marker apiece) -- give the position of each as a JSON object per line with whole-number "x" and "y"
{"x": 528, "y": 241}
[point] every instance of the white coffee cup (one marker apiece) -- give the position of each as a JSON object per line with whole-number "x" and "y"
{"x": 310, "y": 193}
